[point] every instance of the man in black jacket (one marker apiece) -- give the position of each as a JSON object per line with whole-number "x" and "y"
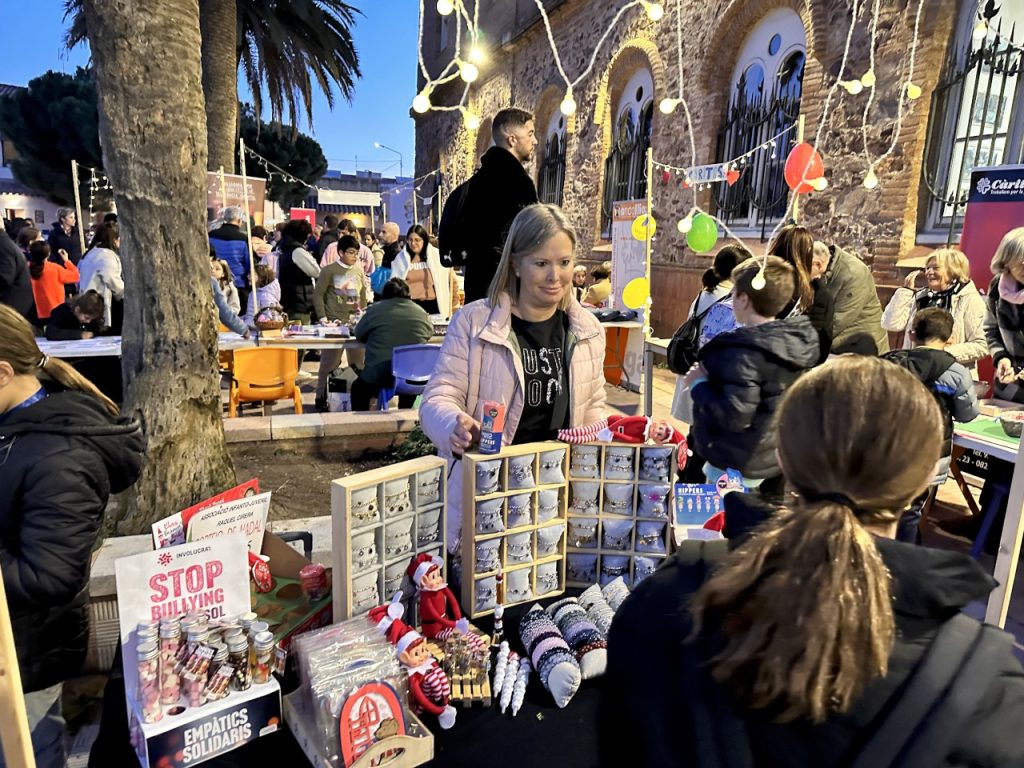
{"x": 497, "y": 192}
{"x": 15, "y": 284}
{"x": 64, "y": 235}
{"x": 330, "y": 234}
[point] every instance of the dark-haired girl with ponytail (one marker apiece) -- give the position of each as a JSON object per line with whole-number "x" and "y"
{"x": 799, "y": 643}
{"x": 63, "y": 451}
{"x": 49, "y": 279}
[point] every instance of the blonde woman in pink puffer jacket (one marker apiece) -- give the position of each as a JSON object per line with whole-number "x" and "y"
{"x": 529, "y": 345}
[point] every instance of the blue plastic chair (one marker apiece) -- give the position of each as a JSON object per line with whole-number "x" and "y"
{"x": 411, "y": 365}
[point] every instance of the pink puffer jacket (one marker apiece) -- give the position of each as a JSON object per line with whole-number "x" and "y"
{"x": 480, "y": 360}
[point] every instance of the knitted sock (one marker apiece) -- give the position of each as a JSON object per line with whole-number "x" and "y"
{"x": 554, "y": 661}
{"x": 598, "y": 610}
{"x": 582, "y": 636}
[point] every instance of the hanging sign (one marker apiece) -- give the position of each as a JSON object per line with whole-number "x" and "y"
{"x": 708, "y": 174}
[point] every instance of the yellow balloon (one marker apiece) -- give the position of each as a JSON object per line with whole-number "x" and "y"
{"x": 643, "y": 227}
{"x": 636, "y": 293}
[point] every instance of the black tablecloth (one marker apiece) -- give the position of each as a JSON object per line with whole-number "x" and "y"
{"x": 541, "y": 734}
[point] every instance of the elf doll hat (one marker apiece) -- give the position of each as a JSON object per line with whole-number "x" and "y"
{"x": 389, "y": 622}
{"x": 421, "y": 565}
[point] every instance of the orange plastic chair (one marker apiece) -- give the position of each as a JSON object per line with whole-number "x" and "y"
{"x": 264, "y": 374}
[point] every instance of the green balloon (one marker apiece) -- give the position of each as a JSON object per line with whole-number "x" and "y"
{"x": 703, "y": 234}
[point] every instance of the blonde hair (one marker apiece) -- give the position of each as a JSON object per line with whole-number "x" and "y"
{"x": 531, "y": 229}
{"x": 1009, "y": 252}
{"x": 18, "y": 348}
{"x": 805, "y": 603}
{"x": 953, "y": 261}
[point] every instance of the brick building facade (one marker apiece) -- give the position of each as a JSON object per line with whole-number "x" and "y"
{"x": 749, "y": 67}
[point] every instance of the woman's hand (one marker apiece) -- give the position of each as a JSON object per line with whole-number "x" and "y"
{"x": 911, "y": 280}
{"x": 1005, "y": 372}
{"x": 466, "y": 432}
{"x": 63, "y": 255}
{"x": 87, "y": 334}
{"x": 695, "y": 374}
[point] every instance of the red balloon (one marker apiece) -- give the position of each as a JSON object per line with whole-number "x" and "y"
{"x": 803, "y": 162}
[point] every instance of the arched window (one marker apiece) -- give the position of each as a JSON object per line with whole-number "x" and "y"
{"x": 624, "y": 167}
{"x": 976, "y": 117}
{"x": 764, "y": 100}
{"x": 552, "y": 167}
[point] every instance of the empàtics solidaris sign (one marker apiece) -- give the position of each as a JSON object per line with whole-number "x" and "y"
{"x": 209, "y": 575}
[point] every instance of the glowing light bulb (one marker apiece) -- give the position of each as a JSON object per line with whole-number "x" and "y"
{"x": 868, "y": 78}
{"x": 421, "y": 103}
{"x": 477, "y": 54}
{"x": 472, "y": 121}
{"x": 668, "y": 106}
{"x": 445, "y": 7}
{"x": 819, "y": 183}
{"x": 568, "y": 105}
{"x": 870, "y": 179}
{"x": 980, "y": 29}
{"x": 655, "y": 11}
{"x": 853, "y": 86}
{"x": 468, "y": 72}
{"x": 685, "y": 225}
{"x": 913, "y": 91}
{"x": 758, "y": 282}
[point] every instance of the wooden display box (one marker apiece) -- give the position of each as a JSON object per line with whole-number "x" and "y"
{"x": 579, "y": 548}
{"x": 474, "y": 581}
{"x": 396, "y": 752}
{"x": 362, "y": 580}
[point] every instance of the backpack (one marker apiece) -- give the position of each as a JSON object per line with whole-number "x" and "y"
{"x": 454, "y": 227}
{"x": 919, "y": 725}
{"x": 685, "y": 342}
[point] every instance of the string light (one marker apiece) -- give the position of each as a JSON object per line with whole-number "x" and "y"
{"x": 868, "y": 79}
{"x": 819, "y": 184}
{"x": 421, "y": 103}
{"x": 568, "y": 105}
{"x": 468, "y": 71}
{"x": 980, "y": 31}
{"x": 445, "y": 7}
{"x": 655, "y": 11}
{"x": 852, "y": 87}
{"x": 913, "y": 91}
{"x": 477, "y": 54}
{"x": 685, "y": 224}
{"x": 471, "y": 119}
{"x": 668, "y": 106}
{"x": 870, "y": 179}
{"x": 758, "y": 282}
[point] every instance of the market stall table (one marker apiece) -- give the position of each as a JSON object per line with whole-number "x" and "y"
{"x": 985, "y": 435}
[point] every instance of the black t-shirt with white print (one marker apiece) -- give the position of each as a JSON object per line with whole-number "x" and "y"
{"x": 546, "y": 399}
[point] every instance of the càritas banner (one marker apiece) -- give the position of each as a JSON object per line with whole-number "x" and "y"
{"x": 995, "y": 205}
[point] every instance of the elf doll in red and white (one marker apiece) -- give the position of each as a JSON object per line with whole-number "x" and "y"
{"x": 629, "y": 429}
{"x": 440, "y": 615}
{"x": 429, "y": 688}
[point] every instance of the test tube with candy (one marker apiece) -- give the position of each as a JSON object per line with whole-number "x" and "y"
{"x": 170, "y": 645}
{"x": 238, "y": 659}
{"x": 148, "y": 666}
{"x": 217, "y": 688}
{"x": 263, "y": 648}
{"x": 195, "y": 676}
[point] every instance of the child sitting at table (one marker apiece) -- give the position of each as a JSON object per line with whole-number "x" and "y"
{"x": 82, "y": 318}
{"x": 951, "y": 384}
{"x": 268, "y": 293}
{"x": 342, "y": 291}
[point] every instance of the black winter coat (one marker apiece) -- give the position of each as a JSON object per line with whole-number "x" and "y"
{"x": 660, "y": 693}
{"x": 15, "y": 282}
{"x": 69, "y": 242}
{"x": 748, "y": 371}
{"x": 497, "y": 192}
{"x": 60, "y": 459}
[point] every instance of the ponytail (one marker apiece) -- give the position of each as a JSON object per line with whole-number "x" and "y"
{"x": 18, "y": 348}
{"x": 810, "y": 651}
{"x": 71, "y": 379}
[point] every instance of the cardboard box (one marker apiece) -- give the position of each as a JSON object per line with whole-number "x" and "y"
{"x": 285, "y": 608}
{"x": 197, "y": 735}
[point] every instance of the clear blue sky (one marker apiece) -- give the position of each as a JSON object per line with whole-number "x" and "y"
{"x": 385, "y": 37}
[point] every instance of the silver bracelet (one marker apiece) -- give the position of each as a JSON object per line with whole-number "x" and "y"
{"x": 519, "y": 552}
{"x": 400, "y": 504}
{"x": 399, "y": 544}
{"x": 427, "y": 535}
{"x": 580, "y": 573}
{"x": 582, "y": 534}
{"x": 484, "y": 597}
{"x": 547, "y": 582}
{"x": 616, "y": 542}
{"x": 613, "y": 570}
{"x": 584, "y": 505}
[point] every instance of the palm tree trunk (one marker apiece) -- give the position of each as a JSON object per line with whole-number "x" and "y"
{"x": 153, "y": 134}
{"x": 218, "y": 24}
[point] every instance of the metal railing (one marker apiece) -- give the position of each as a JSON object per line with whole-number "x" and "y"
{"x": 552, "y": 171}
{"x": 624, "y": 177}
